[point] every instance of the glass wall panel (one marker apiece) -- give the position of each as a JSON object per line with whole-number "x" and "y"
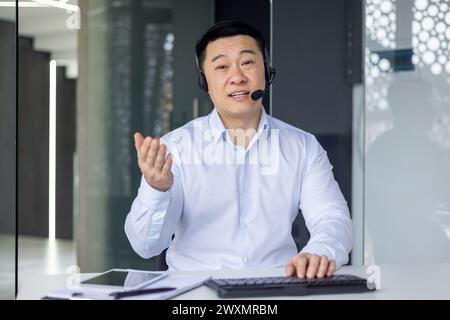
{"x": 407, "y": 131}
{"x": 8, "y": 148}
{"x": 137, "y": 73}
{"x": 47, "y": 54}
{"x": 93, "y": 72}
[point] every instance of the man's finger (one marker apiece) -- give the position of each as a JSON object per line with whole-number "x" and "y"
{"x": 301, "y": 261}
{"x": 160, "y": 158}
{"x": 138, "y": 140}
{"x": 323, "y": 267}
{"x": 143, "y": 150}
{"x": 331, "y": 268}
{"x": 167, "y": 165}
{"x": 313, "y": 266}
{"x": 290, "y": 269}
{"x": 152, "y": 153}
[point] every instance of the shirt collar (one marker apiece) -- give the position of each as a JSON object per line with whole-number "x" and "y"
{"x": 218, "y": 129}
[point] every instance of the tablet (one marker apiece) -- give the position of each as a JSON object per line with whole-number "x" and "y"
{"x": 124, "y": 279}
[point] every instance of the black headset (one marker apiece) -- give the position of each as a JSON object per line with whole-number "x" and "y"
{"x": 269, "y": 72}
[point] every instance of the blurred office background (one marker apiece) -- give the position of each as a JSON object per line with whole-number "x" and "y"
{"x": 370, "y": 79}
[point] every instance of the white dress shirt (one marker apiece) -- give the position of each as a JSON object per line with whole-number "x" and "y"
{"x": 231, "y": 207}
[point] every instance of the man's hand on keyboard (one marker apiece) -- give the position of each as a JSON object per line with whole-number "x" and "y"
{"x": 310, "y": 265}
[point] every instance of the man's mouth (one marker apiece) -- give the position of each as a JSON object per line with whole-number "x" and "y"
{"x": 239, "y": 94}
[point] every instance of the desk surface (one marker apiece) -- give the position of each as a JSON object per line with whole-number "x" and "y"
{"x": 430, "y": 281}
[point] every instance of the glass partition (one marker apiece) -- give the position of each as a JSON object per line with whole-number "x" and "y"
{"x": 407, "y": 131}
{"x": 137, "y": 73}
{"x": 91, "y": 73}
{"x": 8, "y": 148}
{"x": 47, "y": 53}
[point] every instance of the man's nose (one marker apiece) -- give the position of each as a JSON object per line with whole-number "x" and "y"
{"x": 237, "y": 76}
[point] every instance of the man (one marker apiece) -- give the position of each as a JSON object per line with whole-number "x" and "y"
{"x": 229, "y": 185}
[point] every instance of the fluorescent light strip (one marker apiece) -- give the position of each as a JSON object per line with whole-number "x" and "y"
{"x": 41, "y": 3}
{"x": 23, "y": 4}
{"x": 52, "y": 154}
{"x": 59, "y": 4}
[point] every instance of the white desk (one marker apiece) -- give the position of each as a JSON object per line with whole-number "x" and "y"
{"x": 397, "y": 282}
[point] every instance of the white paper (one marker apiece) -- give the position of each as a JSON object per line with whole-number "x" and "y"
{"x": 183, "y": 283}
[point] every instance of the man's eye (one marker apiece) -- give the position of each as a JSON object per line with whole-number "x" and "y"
{"x": 248, "y": 62}
{"x": 222, "y": 67}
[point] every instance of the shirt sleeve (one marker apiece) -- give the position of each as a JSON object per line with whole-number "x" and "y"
{"x": 154, "y": 215}
{"x": 324, "y": 208}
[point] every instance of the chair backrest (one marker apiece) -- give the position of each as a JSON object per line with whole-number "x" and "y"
{"x": 300, "y": 232}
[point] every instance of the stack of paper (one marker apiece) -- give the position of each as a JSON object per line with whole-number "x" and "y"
{"x": 181, "y": 283}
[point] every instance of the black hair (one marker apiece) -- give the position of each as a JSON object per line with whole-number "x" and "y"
{"x": 227, "y": 29}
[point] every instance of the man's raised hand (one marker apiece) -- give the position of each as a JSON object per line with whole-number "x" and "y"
{"x": 152, "y": 161}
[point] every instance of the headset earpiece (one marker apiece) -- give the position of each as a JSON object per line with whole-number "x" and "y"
{"x": 268, "y": 71}
{"x": 201, "y": 79}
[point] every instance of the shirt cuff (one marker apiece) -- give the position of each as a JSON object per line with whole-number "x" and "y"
{"x": 152, "y": 198}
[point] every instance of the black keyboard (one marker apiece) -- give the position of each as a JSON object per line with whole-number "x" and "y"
{"x": 288, "y": 286}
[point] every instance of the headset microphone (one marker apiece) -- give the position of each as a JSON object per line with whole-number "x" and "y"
{"x": 258, "y": 94}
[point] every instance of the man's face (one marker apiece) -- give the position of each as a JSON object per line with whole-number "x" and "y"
{"x": 234, "y": 68}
